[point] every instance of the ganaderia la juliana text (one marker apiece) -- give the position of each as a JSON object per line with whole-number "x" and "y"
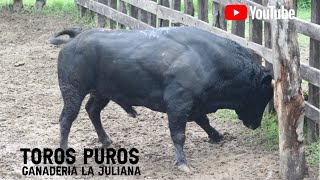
{"x": 84, "y": 170}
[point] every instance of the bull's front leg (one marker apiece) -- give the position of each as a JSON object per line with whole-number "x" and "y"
{"x": 177, "y": 128}
{"x": 179, "y": 104}
{"x": 213, "y": 134}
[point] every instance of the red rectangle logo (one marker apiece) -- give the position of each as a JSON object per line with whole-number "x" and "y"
{"x": 236, "y": 12}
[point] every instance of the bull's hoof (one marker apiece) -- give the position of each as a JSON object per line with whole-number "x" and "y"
{"x": 216, "y": 139}
{"x": 184, "y": 168}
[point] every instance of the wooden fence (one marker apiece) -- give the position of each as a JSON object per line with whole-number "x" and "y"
{"x": 144, "y": 14}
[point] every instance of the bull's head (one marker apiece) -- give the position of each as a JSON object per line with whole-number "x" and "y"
{"x": 252, "y": 110}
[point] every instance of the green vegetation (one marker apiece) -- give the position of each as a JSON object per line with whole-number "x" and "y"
{"x": 227, "y": 114}
{"x": 267, "y": 135}
{"x": 305, "y": 4}
{"x": 313, "y": 154}
{"x": 59, "y": 8}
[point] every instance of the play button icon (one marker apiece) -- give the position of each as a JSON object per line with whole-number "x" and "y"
{"x": 236, "y": 12}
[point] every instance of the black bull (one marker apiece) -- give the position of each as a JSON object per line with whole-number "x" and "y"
{"x": 184, "y": 72}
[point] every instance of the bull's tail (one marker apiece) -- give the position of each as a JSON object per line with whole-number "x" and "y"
{"x": 71, "y": 32}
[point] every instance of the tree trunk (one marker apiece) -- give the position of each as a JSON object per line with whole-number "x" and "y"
{"x": 289, "y": 102}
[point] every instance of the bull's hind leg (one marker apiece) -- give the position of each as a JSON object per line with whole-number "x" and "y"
{"x": 72, "y": 102}
{"x": 213, "y": 134}
{"x": 94, "y": 106}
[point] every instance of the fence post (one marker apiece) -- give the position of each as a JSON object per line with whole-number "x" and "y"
{"x": 142, "y": 15}
{"x": 162, "y": 22}
{"x": 268, "y": 44}
{"x": 17, "y": 5}
{"x": 189, "y": 7}
{"x": 176, "y": 5}
{"x": 289, "y": 100}
{"x": 82, "y": 10}
{"x": 122, "y": 8}
{"x": 134, "y": 11}
{"x": 40, "y": 3}
{"x": 238, "y": 27}
{"x": 203, "y": 10}
{"x": 314, "y": 61}
{"x": 255, "y": 32}
{"x": 219, "y": 19}
{"x": 100, "y": 19}
{"x": 152, "y": 18}
{"x": 110, "y": 23}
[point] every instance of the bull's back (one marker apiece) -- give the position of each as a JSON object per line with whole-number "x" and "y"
{"x": 128, "y": 68}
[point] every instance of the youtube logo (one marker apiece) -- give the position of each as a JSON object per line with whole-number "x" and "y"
{"x": 236, "y": 12}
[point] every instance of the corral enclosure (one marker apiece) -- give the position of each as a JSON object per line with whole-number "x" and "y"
{"x": 142, "y": 14}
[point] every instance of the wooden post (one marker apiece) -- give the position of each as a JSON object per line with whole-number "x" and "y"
{"x": 162, "y": 22}
{"x": 238, "y": 28}
{"x": 110, "y": 23}
{"x": 152, "y": 18}
{"x": 81, "y": 9}
{"x": 255, "y": 32}
{"x": 203, "y": 10}
{"x": 100, "y": 19}
{"x": 17, "y": 5}
{"x": 134, "y": 11}
{"x": 142, "y": 15}
{"x": 219, "y": 19}
{"x": 289, "y": 100}
{"x": 40, "y": 3}
{"x": 176, "y": 5}
{"x": 314, "y": 61}
{"x": 122, "y": 8}
{"x": 268, "y": 44}
{"x": 189, "y": 7}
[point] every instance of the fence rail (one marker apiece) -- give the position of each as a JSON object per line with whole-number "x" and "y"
{"x": 143, "y": 10}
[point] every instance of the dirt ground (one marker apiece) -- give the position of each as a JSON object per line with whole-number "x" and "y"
{"x": 31, "y": 104}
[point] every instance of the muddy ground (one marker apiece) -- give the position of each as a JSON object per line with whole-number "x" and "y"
{"x": 31, "y": 104}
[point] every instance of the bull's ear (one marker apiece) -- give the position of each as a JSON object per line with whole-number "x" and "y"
{"x": 266, "y": 80}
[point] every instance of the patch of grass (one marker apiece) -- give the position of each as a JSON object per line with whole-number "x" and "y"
{"x": 267, "y": 133}
{"x": 267, "y": 136}
{"x": 227, "y": 114}
{"x": 59, "y": 8}
{"x": 313, "y": 154}
{"x": 304, "y": 4}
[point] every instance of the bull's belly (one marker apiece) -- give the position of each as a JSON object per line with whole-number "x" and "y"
{"x": 152, "y": 99}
